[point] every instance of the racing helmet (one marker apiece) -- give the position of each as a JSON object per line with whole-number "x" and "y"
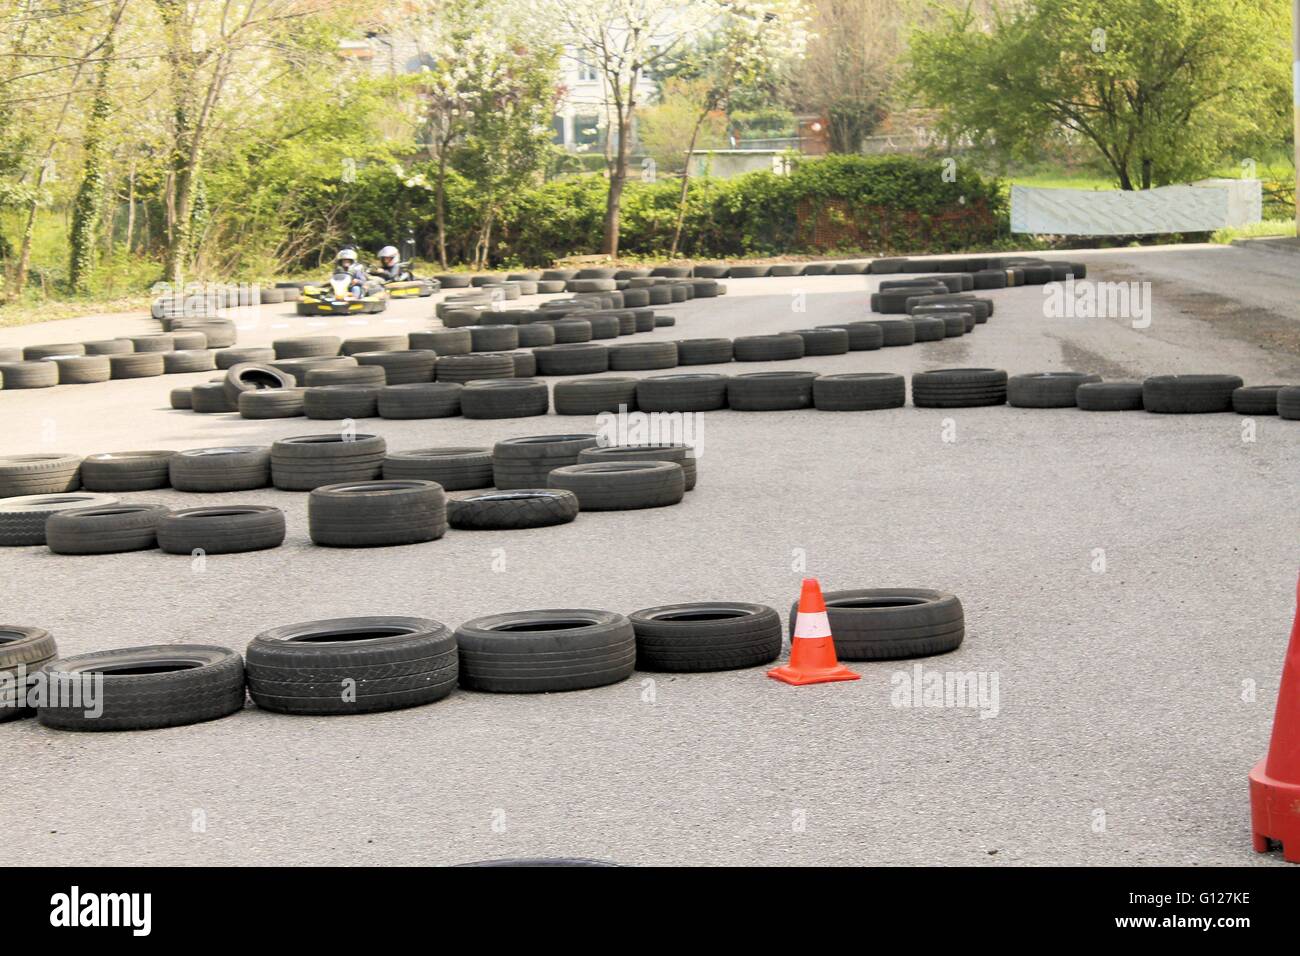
{"x": 388, "y": 253}
{"x": 348, "y": 253}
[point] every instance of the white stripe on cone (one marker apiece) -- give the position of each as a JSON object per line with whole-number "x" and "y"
{"x": 809, "y": 624}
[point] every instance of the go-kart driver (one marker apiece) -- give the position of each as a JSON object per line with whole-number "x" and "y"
{"x": 345, "y": 263}
{"x": 389, "y": 268}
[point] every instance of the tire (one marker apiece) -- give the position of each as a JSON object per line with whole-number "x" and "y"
{"x": 709, "y": 271}
{"x": 1047, "y": 389}
{"x": 227, "y": 358}
{"x": 621, "y": 485}
{"x": 307, "y": 462}
{"x": 1109, "y": 396}
{"x": 706, "y": 636}
{"x": 682, "y": 393}
{"x": 157, "y": 342}
{"x": 862, "y": 336}
{"x": 40, "y": 474}
{"x": 983, "y": 308}
{"x": 678, "y": 454}
{"x": 369, "y": 514}
{"x": 660, "y": 295}
{"x": 571, "y": 331}
{"x": 850, "y": 268}
{"x": 1256, "y": 399}
{"x": 22, "y": 521}
{"x": 228, "y": 529}
{"x": 641, "y": 356}
{"x": 929, "y": 328}
{"x": 884, "y": 624}
{"x": 312, "y": 346}
{"x": 824, "y": 341}
{"x": 748, "y": 272}
{"x": 896, "y": 332}
{"x": 595, "y": 395}
{"x": 817, "y": 269}
{"x": 990, "y": 279}
{"x": 771, "y": 391}
{"x": 375, "y": 343}
{"x": 453, "y": 280}
{"x": 572, "y": 359}
{"x": 220, "y": 334}
{"x": 271, "y": 403}
{"x": 767, "y": 348}
{"x": 525, "y": 364}
{"x": 859, "y": 392}
{"x": 959, "y": 307}
{"x": 23, "y": 650}
{"x": 527, "y": 462}
{"x": 493, "y": 338}
{"x": 717, "y": 351}
{"x": 638, "y": 298}
{"x": 126, "y": 471}
{"x": 955, "y": 323}
{"x": 136, "y": 365}
{"x": 544, "y": 651}
{"x": 420, "y": 400}
{"x": 372, "y": 375}
{"x": 672, "y": 272}
{"x": 339, "y": 402}
{"x": 109, "y": 347}
{"x": 104, "y": 529}
{"x": 38, "y": 374}
{"x": 352, "y": 665}
{"x": 228, "y": 468}
{"x": 181, "y": 399}
{"x": 644, "y": 320}
{"x": 512, "y": 398}
{"x": 443, "y": 341}
{"x": 1288, "y": 403}
{"x": 591, "y": 285}
{"x": 456, "y": 469}
{"x": 35, "y": 353}
{"x": 210, "y": 398}
{"x": 538, "y": 334}
{"x": 144, "y": 688}
{"x": 959, "y": 388}
{"x": 1189, "y": 394}
{"x": 896, "y": 301}
{"x": 602, "y": 326}
{"x": 513, "y": 510}
{"x": 247, "y": 377}
{"x": 550, "y": 286}
{"x": 468, "y": 368}
{"x": 175, "y": 363}
{"x": 401, "y": 368}
{"x": 271, "y": 296}
{"x": 90, "y": 369}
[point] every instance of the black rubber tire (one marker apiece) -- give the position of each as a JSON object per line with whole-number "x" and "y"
{"x": 862, "y": 336}
{"x": 954, "y": 323}
{"x": 468, "y": 368}
{"x": 895, "y": 332}
{"x": 513, "y": 510}
{"x": 107, "y": 347}
{"x": 850, "y": 268}
{"x": 307, "y": 462}
{"x": 311, "y": 346}
{"x": 228, "y": 358}
{"x": 642, "y": 356}
{"x": 493, "y": 338}
{"x": 443, "y": 341}
{"x": 715, "y": 351}
{"x": 859, "y": 391}
{"x": 543, "y": 651}
{"x": 572, "y": 359}
{"x": 571, "y": 331}
{"x": 453, "y": 280}
{"x": 39, "y": 474}
{"x": 401, "y": 368}
{"x": 644, "y": 320}
{"x": 824, "y": 341}
{"x": 505, "y": 398}
{"x": 767, "y": 348}
{"x": 36, "y": 353}
{"x": 959, "y": 388}
{"x": 1288, "y": 403}
{"x": 38, "y": 374}
{"x": 525, "y": 363}
{"x": 352, "y": 665}
{"x": 929, "y": 328}
{"x": 369, "y": 514}
{"x": 895, "y": 301}
{"x": 538, "y": 334}
{"x": 375, "y": 343}
{"x": 154, "y": 342}
{"x": 672, "y": 272}
{"x": 748, "y": 272}
{"x": 660, "y": 295}
{"x": 706, "y": 636}
{"x": 885, "y": 624}
{"x": 1047, "y": 389}
{"x": 621, "y": 485}
{"x": 1189, "y": 394}
{"x": 456, "y": 469}
{"x": 298, "y": 369}
{"x": 638, "y": 298}
{"x": 709, "y": 271}
{"x": 420, "y": 400}
{"x": 22, "y": 519}
{"x": 210, "y": 398}
{"x": 105, "y": 529}
{"x": 23, "y": 650}
{"x": 340, "y": 402}
{"x": 701, "y": 392}
{"x": 135, "y": 692}
{"x": 595, "y": 395}
{"x": 1247, "y": 400}
{"x": 90, "y": 369}
{"x": 226, "y": 468}
{"x": 126, "y": 471}
{"x": 1110, "y": 397}
{"x": 181, "y": 362}
{"x": 983, "y": 308}
{"x": 678, "y": 454}
{"x": 220, "y": 334}
{"x": 771, "y": 391}
{"x": 271, "y": 403}
{"x": 990, "y": 279}
{"x": 225, "y": 529}
{"x": 181, "y": 399}
{"x": 247, "y": 377}
{"x": 372, "y": 375}
{"x": 959, "y": 307}
{"x": 136, "y": 365}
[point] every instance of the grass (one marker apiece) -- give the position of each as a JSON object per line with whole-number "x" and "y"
{"x": 1256, "y": 230}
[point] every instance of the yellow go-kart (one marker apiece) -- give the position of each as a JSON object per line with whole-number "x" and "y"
{"x": 407, "y": 286}
{"x": 337, "y": 298}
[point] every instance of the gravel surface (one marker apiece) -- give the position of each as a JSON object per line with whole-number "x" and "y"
{"x": 1125, "y": 720}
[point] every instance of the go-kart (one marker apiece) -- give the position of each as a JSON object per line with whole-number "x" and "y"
{"x": 406, "y": 285}
{"x": 337, "y": 298}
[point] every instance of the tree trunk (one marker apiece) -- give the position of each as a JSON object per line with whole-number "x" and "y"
{"x": 90, "y": 194}
{"x": 1146, "y": 173}
{"x": 618, "y": 177}
{"x": 130, "y": 209}
{"x": 440, "y": 206}
{"x": 686, "y": 185}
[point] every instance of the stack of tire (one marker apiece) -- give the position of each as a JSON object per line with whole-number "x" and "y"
{"x": 189, "y": 348}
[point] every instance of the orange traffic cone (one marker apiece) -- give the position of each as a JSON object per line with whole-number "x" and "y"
{"x": 1275, "y": 781}
{"x": 812, "y": 651}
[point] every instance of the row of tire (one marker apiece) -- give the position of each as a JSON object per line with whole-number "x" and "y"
{"x": 139, "y": 356}
{"x": 368, "y": 664}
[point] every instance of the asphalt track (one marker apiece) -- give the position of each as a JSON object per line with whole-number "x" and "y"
{"x": 1125, "y": 723}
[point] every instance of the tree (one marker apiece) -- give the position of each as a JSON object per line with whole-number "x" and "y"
{"x": 1162, "y": 90}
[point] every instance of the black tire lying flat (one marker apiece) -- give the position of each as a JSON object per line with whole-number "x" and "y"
{"x": 881, "y": 624}
{"x": 180, "y": 399}
{"x": 22, "y": 519}
{"x": 771, "y": 391}
{"x": 767, "y": 348}
{"x": 1109, "y": 396}
{"x": 863, "y": 336}
{"x": 896, "y": 332}
{"x": 346, "y": 375}
{"x": 680, "y": 454}
{"x": 638, "y": 356}
{"x": 595, "y": 395}
{"x": 339, "y": 402}
{"x": 38, "y": 374}
{"x": 1189, "y": 394}
{"x": 89, "y": 369}
{"x": 521, "y": 508}
{"x": 1247, "y": 400}
{"x": 1288, "y": 403}
{"x": 227, "y": 468}
{"x": 959, "y": 388}
{"x": 228, "y": 358}
{"x": 306, "y": 462}
{"x": 23, "y": 650}
{"x": 705, "y": 636}
{"x": 39, "y": 474}
{"x": 137, "y": 365}
{"x": 104, "y": 529}
{"x": 211, "y": 398}
{"x": 527, "y": 462}
{"x": 1047, "y": 389}
{"x": 505, "y": 398}
{"x": 143, "y": 688}
{"x": 830, "y": 340}
{"x": 682, "y": 393}
{"x": 715, "y": 351}
{"x": 541, "y": 651}
{"x": 352, "y": 665}
{"x": 311, "y": 346}
{"x": 371, "y": 514}
{"x": 456, "y": 469}
{"x": 229, "y": 529}
{"x": 443, "y": 341}
{"x": 183, "y": 361}
{"x": 126, "y": 471}
{"x": 575, "y": 358}
{"x": 468, "y": 368}
{"x": 420, "y": 400}
{"x": 271, "y": 403}
{"x": 621, "y": 485}
{"x": 859, "y": 391}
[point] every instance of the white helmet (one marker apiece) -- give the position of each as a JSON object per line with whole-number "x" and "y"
{"x": 347, "y": 252}
{"x": 388, "y": 252}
